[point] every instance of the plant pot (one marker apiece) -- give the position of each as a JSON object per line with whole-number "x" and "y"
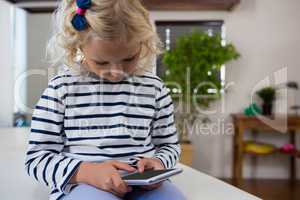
{"x": 267, "y": 109}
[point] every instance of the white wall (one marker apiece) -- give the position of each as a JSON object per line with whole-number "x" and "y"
{"x": 31, "y": 69}
{"x": 6, "y": 64}
{"x": 266, "y": 33}
{"x": 38, "y": 34}
{"x": 20, "y": 63}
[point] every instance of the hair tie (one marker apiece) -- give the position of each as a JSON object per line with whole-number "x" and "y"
{"x": 79, "y": 21}
{"x": 80, "y": 11}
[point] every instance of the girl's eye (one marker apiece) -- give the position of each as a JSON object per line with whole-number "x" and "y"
{"x": 101, "y": 63}
{"x": 129, "y": 59}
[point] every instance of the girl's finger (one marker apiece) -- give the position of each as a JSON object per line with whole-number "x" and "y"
{"x": 109, "y": 188}
{"x": 123, "y": 166}
{"x": 141, "y": 165}
{"x": 118, "y": 184}
{"x": 145, "y": 164}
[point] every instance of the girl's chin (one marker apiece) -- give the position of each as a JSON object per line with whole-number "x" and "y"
{"x": 118, "y": 79}
{"x": 112, "y": 78}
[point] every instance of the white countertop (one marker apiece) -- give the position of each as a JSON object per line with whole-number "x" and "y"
{"x": 16, "y": 185}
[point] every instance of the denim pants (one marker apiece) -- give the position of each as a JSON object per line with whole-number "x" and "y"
{"x": 166, "y": 191}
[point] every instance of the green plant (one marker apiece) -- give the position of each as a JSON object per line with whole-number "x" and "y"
{"x": 193, "y": 67}
{"x": 203, "y": 56}
{"x": 267, "y": 94}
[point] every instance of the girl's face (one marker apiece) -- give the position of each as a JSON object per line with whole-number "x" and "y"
{"x": 111, "y": 60}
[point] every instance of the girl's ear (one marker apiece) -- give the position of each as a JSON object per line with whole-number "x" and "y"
{"x": 80, "y": 54}
{"x": 80, "y": 50}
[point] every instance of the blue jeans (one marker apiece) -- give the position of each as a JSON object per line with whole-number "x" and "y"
{"x": 166, "y": 191}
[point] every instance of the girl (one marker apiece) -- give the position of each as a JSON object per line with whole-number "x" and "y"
{"x": 105, "y": 112}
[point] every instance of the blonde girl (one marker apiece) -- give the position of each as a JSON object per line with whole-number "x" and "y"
{"x": 105, "y": 112}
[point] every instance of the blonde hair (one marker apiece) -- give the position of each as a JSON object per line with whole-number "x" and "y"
{"x": 114, "y": 20}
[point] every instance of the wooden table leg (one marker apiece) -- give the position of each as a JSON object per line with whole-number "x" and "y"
{"x": 238, "y": 155}
{"x": 292, "y": 159}
{"x": 234, "y": 160}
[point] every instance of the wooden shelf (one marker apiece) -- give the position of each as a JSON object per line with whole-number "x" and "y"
{"x": 243, "y": 123}
{"x": 260, "y": 154}
{"x": 159, "y": 5}
{"x": 225, "y": 5}
{"x": 296, "y": 154}
{"x": 276, "y": 150}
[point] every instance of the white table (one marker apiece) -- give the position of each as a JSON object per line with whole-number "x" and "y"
{"x": 16, "y": 185}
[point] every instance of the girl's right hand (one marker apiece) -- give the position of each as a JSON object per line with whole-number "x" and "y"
{"x": 104, "y": 176}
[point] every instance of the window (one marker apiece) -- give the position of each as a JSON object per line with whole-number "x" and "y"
{"x": 169, "y": 31}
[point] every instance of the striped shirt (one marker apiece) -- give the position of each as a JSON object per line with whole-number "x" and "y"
{"x": 87, "y": 118}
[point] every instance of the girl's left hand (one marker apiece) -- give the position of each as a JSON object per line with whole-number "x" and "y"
{"x": 150, "y": 164}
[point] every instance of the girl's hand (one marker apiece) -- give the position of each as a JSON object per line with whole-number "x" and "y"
{"x": 103, "y": 176}
{"x": 150, "y": 164}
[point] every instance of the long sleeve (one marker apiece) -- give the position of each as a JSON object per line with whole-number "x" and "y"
{"x": 164, "y": 132}
{"x": 44, "y": 161}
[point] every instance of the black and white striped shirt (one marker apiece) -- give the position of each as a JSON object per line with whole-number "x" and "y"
{"x": 87, "y": 118}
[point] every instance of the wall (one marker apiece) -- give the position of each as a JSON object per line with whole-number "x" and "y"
{"x": 266, "y": 33}
{"x": 38, "y": 34}
{"x": 6, "y": 64}
{"x": 20, "y": 63}
{"x": 31, "y": 68}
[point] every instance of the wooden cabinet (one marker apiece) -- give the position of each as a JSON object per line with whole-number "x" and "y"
{"x": 186, "y": 154}
{"x": 242, "y": 123}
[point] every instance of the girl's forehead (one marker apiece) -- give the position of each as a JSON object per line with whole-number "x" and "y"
{"x": 106, "y": 49}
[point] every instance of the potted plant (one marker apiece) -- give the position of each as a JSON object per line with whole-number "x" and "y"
{"x": 194, "y": 65}
{"x": 268, "y": 96}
